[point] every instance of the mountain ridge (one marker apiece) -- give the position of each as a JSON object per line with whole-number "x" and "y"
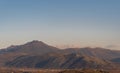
{"x": 46, "y": 56}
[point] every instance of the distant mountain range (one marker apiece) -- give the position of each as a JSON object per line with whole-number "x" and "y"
{"x": 37, "y": 54}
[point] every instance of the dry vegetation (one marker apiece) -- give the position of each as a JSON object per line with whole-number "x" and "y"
{"x": 14, "y": 70}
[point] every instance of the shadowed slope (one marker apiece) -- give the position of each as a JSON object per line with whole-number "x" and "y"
{"x": 70, "y": 61}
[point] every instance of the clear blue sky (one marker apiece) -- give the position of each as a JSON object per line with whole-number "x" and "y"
{"x": 78, "y": 23}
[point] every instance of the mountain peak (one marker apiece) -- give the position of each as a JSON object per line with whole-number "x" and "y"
{"x": 36, "y": 42}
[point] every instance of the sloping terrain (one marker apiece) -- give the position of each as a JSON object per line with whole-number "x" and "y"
{"x": 95, "y": 52}
{"x": 117, "y": 60}
{"x": 37, "y": 54}
{"x": 30, "y": 48}
{"x": 58, "y": 61}
{"x": 8, "y": 70}
{"x": 34, "y": 47}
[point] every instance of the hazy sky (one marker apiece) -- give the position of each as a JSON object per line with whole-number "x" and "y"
{"x": 62, "y": 23}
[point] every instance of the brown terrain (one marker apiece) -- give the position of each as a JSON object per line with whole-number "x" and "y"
{"x": 14, "y": 70}
{"x": 49, "y": 59}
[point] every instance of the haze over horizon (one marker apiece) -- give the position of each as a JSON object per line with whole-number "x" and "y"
{"x": 62, "y": 23}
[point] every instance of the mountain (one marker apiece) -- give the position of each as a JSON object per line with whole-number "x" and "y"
{"x": 56, "y": 61}
{"x": 37, "y": 54}
{"x": 30, "y": 48}
{"x": 34, "y": 47}
{"x": 95, "y": 52}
